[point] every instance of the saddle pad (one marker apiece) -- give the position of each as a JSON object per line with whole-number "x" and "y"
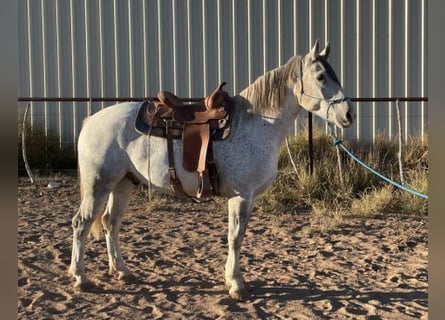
{"x": 143, "y": 128}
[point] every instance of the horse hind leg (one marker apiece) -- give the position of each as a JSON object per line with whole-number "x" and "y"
{"x": 111, "y": 222}
{"x": 92, "y": 204}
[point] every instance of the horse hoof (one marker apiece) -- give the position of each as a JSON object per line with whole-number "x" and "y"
{"x": 127, "y": 279}
{"x": 239, "y": 295}
{"x": 85, "y": 286}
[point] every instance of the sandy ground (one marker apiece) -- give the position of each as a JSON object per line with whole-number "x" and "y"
{"x": 366, "y": 269}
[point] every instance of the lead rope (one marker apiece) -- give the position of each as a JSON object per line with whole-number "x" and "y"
{"x": 338, "y": 143}
{"x": 333, "y": 133}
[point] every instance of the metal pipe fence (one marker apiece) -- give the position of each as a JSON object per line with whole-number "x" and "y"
{"x": 310, "y": 120}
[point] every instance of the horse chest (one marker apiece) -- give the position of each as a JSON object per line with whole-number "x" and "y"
{"x": 247, "y": 165}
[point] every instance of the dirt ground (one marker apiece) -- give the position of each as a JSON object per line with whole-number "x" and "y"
{"x": 366, "y": 269}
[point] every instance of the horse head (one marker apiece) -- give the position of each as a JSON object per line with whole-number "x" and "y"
{"x": 319, "y": 91}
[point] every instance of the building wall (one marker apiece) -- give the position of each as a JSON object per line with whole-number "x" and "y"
{"x": 134, "y": 48}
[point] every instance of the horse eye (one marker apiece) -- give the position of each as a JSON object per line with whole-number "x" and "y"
{"x": 321, "y": 78}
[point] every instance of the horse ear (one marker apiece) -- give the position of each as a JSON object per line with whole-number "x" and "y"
{"x": 325, "y": 52}
{"x": 314, "y": 50}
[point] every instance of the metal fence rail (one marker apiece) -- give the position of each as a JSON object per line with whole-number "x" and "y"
{"x": 309, "y": 118}
{"x": 105, "y": 99}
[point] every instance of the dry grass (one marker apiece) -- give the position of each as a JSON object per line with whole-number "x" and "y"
{"x": 362, "y": 193}
{"x": 324, "y": 218}
{"x": 374, "y": 202}
{"x": 417, "y": 180}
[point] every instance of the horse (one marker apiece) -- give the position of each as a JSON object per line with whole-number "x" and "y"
{"x": 109, "y": 149}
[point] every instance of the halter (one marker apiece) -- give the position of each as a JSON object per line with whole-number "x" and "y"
{"x": 332, "y": 74}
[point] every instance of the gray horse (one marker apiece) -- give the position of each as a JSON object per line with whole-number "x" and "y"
{"x": 109, "y": 149}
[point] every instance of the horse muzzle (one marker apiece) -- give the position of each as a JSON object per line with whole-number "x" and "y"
{"x": 349, "y": 116}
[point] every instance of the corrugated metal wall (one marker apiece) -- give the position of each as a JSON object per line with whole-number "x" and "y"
{"x": 134, "y": 48}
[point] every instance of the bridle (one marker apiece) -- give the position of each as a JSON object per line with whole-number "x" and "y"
{"x": 332, "y": 74}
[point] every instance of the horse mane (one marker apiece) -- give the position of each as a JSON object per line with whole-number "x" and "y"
{"x": 267, "y": 93}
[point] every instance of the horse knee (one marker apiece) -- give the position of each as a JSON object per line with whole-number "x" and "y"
{"x": 236, "y": 233}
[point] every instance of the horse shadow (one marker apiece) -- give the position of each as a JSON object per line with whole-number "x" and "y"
{"x": 261, "y": 293}
{"x": 350, "y": 298}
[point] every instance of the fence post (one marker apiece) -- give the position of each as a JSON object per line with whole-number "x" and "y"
{"x": 310, "y": 143}
{"x": 399, "y": 153}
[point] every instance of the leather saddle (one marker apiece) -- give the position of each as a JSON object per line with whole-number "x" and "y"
{"x": 198, "y": 125}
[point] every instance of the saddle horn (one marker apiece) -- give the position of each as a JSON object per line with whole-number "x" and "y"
{"x": 216, "y": 98}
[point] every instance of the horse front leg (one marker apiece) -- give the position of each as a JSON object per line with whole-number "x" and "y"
{"x": 239, "y": 214}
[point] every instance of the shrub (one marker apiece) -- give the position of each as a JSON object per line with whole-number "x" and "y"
{"x": 44, "y": 152}
{"x": 362, "y": 192}
{"x": 374, "y": 201}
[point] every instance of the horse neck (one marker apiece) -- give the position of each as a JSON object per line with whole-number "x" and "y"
{"x": 283, "y": 120}
{"x": 274, "y": 121}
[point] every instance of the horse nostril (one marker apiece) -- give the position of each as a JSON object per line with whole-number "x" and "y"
{"x": 349, "y": 116}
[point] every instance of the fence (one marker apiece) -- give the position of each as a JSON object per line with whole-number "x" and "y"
{"x": 309, "y": 114}
{"x": 122, "y": 48}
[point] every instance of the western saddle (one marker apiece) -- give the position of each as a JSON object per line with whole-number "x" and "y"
{"x": 196, "y": 124}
